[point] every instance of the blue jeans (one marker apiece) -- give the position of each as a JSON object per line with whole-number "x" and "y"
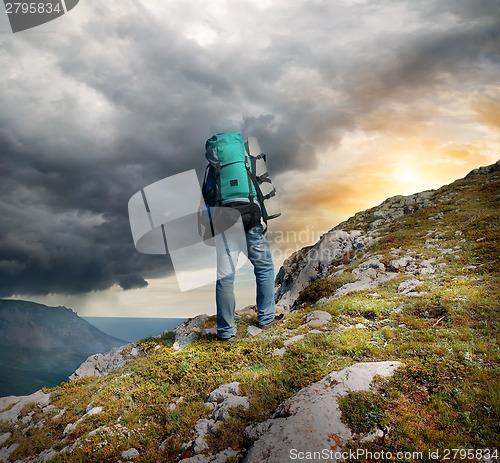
{"x": 259, "y": 254}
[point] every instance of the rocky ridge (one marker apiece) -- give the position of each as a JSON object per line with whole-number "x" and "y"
{"x": 339, "y": 247}
{"x": 346, "y": 249}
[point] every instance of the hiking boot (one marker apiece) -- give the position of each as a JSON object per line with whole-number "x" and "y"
{"x": 277, "y": 319}
{"x": 231, "y": 339}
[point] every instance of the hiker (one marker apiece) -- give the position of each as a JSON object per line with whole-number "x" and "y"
{"x": 230, "y": 182}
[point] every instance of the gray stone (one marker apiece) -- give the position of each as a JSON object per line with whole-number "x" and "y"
{"x": 317, "y": 318}
{"x": 183, "y": 341}
{"x": 279, "y": 352}
{"x": 5, "y": 452}
{"x": 209, "y": 332}
{"x": 49, "y": 408}
{"x": 311, "y": 420}
{"x": 14, "y": 413}
{"x": 296, "y": 338}
{"x": 100, "y": 364}
{"x": 484, "y": 170}
{"x": 225, "y": 397}
{"x": 5, "y": 437}
{"x": 408, "y": 286}
{"x": 248, "y": 310}
{"x": 130, "y": 454}
{"x": 70, "y": 427}
{"x": 204, "y": 427}
{"x": 187, "y": 331}
{"x": 253, "y": 331}
{"x": 221, "y": 411}
{"x": 221, "y": 457}
{"x": 307, "y": 265}
{"x": 397, "y": 264}
{"x": 47, "y": 455}
{"x": 223, "y": 392}
{"x": 94, "y": 411}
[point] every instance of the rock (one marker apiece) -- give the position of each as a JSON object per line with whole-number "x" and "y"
{"x": 310, "y": 420}
{"x": 49, "y": 408}
{"x": 221, "y": 411}
{"x": 134, "y": 352}
{"x": 307, "y": 265}
{"x": 397, "y": 264}
{"x": 188, "y": 331}
{"x": 20, "y": 402}
{"x": 253, "y": 331}
{"x": 409, "y": 285}
{"x": 184, "y": 341}
{"x": 296, "y": 338}
{"x": 279, "y": 352}
{"x": 47, "y": 455}
{"x": 5, "y": 437}
{"x": 248, "y": 310}
{"x": 130, "y": 454}
{"x": 372, "y": 263}
{"x": 222, "y": 400}
{"x": 224, "y": 391}
{"x": 5, "y": 452}
{"x": 27, "y": 418}
{"x": 209, "y": 332}
{"x": 221, "y": 457}
{"x": 100, "y": 364}
{"x": 484, "y": 170}
{"x": 70, "y": 427}
{"x": 398, "y": 206}
{"x": 338, "y": 247}
{"x": 369, "y": 278}
{"x": 43, "y": 401}
{"x": 94, "y": 411}
{"x": 317, "y": 318}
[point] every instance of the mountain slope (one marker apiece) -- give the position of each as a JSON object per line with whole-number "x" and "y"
{"x": 41, "y": 346}
{"x": 414, "y": 281}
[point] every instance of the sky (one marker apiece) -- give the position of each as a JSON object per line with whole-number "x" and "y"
{"x": 353, "y": 101}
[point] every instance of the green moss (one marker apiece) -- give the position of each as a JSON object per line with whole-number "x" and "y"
{"x": 363, "y": 411}
{"x": 324, "y": 287}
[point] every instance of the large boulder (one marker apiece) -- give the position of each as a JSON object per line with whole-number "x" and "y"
{"x": 100, "y": 364}
{"x": 309, "y": 264}
{"x": 311, "y": 420}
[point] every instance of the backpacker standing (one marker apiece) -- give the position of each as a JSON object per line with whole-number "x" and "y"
{"x": 231, "y": 182}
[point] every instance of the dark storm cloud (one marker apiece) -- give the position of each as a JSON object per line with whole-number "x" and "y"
{"x": 89, "y": 117}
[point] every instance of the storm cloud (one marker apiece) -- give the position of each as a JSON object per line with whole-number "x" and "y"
{"x": 117, "y": 95}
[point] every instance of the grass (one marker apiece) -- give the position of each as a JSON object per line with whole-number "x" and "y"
{"x": 446, "y": 396}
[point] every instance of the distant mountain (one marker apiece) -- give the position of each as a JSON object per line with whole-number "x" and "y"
{"x": 41, "y": 346}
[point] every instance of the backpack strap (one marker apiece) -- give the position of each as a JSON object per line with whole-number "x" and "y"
{"x": 253, "y": 178}
{"x": 219, "y": 188}
{"x": 250, "y": 191}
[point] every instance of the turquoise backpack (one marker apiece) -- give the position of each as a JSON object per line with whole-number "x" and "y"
{"x": 237, "y": 170}
{"x": 227, "y": 169}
